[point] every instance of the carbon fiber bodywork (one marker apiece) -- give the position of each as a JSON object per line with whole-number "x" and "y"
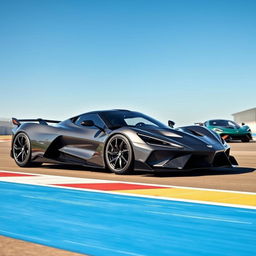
{"x": 153, "y": 149}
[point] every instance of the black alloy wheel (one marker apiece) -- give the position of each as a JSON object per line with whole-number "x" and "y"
{"x": 21, "y": 151}
{"x": 245, "y": 139}
{"x": 119, "y": 155}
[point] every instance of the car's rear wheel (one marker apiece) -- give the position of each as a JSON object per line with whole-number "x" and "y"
{"x": 119, "y": 154}
{"x": 21, "y": 150}
{"x": 245, "y": 139}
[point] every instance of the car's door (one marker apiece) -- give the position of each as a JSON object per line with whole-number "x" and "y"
{"x": 87, "y": 141}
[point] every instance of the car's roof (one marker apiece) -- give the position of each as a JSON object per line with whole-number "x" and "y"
{"x": 103, "y": 111}
{"x": 219, "y": 120}
{"x": 99, "y": 112}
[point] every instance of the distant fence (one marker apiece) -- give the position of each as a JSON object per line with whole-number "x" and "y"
{"x": 5, "y": 127}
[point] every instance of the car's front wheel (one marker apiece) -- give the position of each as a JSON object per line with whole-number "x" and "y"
{"x": 119, "y": 154}
{"x": 245, "y": 139}
{"x": 21, "y": 150}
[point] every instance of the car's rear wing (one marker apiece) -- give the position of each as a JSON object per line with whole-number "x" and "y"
{"x": 18, "y": 122}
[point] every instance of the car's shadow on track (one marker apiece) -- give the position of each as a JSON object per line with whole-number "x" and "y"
{"x": 203, "y": 172}
{"x": 173, "y": 173}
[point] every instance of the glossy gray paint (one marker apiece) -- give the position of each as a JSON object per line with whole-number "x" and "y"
{"x": 69, "y": 143}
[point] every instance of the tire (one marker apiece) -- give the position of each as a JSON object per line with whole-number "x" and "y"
{"x": 119, "y": 155}
{"x": 21, "y": 150}
{"x": 245, "y": 139}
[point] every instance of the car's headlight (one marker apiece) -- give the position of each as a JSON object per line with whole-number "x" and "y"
{"x": 218, "y": 130}
{"x": 158, "y": 142}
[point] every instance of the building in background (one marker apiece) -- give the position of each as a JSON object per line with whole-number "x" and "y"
{"x": 5, "y": 127}
{"x": 248, "y": 117}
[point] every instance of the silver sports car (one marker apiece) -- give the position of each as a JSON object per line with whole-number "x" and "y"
{"x": 120, "y": 140}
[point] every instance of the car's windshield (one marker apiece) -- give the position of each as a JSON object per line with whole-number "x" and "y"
{"x": 120, "y": 118}
{"x": 223, "y": 123}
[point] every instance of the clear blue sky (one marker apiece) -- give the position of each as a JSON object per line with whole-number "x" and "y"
{"x": 181, "y": 60}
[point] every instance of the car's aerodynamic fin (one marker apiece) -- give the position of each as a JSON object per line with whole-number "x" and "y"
{"x": 18, "y": 122}
{"x": 196, "y": 132}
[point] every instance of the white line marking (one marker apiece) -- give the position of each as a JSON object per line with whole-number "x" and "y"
{"x": 50, "y": 180}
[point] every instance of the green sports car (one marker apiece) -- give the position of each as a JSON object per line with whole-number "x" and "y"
{"x": 229, "y": 130}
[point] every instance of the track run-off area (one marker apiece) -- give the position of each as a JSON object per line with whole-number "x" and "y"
{"x": 97, "y": 213}
{"x": 98, "y": 217}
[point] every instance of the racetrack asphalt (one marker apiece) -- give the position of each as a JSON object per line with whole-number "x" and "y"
{"x": 242, "y": 178}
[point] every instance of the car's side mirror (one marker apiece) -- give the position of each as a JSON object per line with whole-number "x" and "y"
{"x": 243, "y": 123}
{"x": 88, "y": 123}
{"x": 171, "y": 123}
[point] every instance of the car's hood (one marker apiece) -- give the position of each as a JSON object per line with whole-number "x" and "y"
{"x": 184, "y": 139}
{"x": 244, "y": 128}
